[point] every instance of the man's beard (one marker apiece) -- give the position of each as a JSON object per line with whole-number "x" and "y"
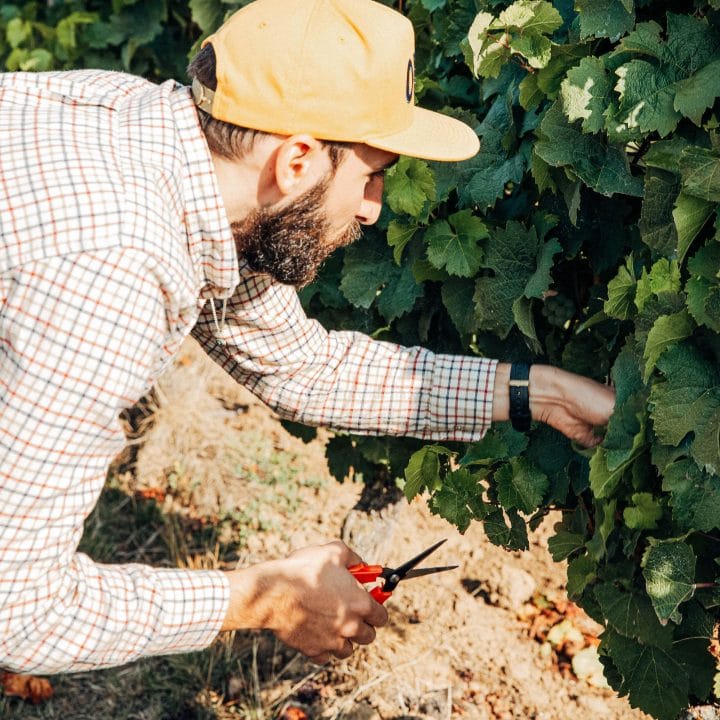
{"x": 290, "y": 243}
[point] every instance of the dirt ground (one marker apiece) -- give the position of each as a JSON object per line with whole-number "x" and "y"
{"x": 494, "y": 639}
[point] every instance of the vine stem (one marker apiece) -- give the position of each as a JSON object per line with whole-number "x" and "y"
{"x": 644, "y": 147}
{"x": 707, "y": 536}
{"x": 701, "y": 586}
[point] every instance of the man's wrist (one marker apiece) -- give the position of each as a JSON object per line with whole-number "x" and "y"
{"x": 245, "y": 609}
{"x": 501, "y": 398}
{"x": 545, "y": 390}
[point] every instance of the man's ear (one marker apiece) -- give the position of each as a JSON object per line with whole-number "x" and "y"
{"x": 300, "y": 161}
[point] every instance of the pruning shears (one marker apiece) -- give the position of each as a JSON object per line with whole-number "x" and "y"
{"x": 390, "y": 577}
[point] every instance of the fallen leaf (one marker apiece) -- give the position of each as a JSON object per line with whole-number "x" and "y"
{"x": 155, "y": 493}
{"x": 27, "y": 687}
{"x": 293, "y": 712}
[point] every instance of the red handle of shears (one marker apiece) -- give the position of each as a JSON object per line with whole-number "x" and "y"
{"x": 369, "y": 573}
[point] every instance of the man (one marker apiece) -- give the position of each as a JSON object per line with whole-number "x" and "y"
{"x": 132, "y": 215}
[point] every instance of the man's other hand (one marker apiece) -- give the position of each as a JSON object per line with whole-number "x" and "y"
{"x": 309, "y": 600}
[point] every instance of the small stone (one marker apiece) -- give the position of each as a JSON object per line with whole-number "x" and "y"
{"x": 517, "y": 587}
{"x": 596, "y": 706}
{"x": 587, "y": 666}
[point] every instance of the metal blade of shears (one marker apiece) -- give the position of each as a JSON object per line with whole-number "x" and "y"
{"x": 428, "y": 571}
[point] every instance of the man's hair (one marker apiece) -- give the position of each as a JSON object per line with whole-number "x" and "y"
{"x": 232, "y": 141}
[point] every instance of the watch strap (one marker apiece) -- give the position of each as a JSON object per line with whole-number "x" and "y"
{"x": 520, "y": 396}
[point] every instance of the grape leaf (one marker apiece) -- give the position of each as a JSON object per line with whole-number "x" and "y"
{"x": 580, "y": 573}
{"x": 651, "y": 678}
{"x": 366, "y": 267}
{"x": 369, "y": 274}
{"x": 667, "y": 331}
{"x": 703, "y": 299}
{"x": 457, "y": 296}
{"x": 524, "y": 318}
{"x": 423, "y": 470}
{"x": 703, "y": 288}
{"x": 520, "y": 28}
{"x": 540, "y": 280}
{"x": 604, "y": 525}
{"x": 586, "y": 93}
{"x": 663, "y": 154}
{"x": 601, "y": 166}
{"x": 697, "y": 93}
{"x": 459, "y": 500}
{"x": 632, "y": 615}
{"x": 520, "y": 485}
{"x": 700, "y": 171}
{"x": 482, "y": 179}
{"x": 664, "y": 277}
{"x": 644, "y": 512}
{"x": 208, "y": 14}
{"x": 657, "y": 226}
{"x": 535, "y": 17}
{"x": 511, "y": 537}
{"x": 688, "y": 401}
{"x": 488, "y": 55}
{"x": 647, "y": 98}
{"x": 655, "y": 94}
{"x": 409, "y": 184}
{"x": 564, "y": 543}
{"x": 399, "y": 294}
{"x": 621, "y": 292}
{"x": 605, "y": 18}
{"x": 399, "y": 235}
{"x": 536, "y": 49}
{"x": 695, "y": 496}
{"x": 453, "y": 244}
{"x": 530, "y": 93}
{"x": 434, "y": 4}
{"x": 669, "y": 572}
{"x": 604, "y": 479}
{"x": 690, "y": 215}
{"x": 500, "y": 442}
{"x": 512, "y": 254}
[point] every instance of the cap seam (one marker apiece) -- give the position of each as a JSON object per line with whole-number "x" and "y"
{"x": 302, "y": 65}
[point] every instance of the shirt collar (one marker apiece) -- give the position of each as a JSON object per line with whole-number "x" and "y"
{"x": 210, "y": 239}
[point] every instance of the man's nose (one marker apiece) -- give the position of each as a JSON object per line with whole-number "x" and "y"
{"x": 371, "y": 204}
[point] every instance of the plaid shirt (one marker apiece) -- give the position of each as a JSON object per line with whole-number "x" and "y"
{"x": 113, "y": 245}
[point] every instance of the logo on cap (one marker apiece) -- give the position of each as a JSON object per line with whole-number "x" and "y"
{"x": 409, "y": 81}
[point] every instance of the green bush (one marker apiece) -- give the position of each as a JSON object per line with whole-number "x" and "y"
{"x": 584, "y": 235}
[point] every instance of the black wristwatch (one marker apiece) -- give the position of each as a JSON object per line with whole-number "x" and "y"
{"x": 520, "y": 396}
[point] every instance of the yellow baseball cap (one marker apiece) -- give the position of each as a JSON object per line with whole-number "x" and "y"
{"x": 336, "y": 69}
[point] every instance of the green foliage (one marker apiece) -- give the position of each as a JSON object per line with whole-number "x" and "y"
{"x": 582, "y": 235}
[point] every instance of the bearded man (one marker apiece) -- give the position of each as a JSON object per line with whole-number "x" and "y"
{"x": 133, "y": 215}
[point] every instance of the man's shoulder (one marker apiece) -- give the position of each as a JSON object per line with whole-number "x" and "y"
{"x": 64, "y": 186}
{"x": 101, "y": 87}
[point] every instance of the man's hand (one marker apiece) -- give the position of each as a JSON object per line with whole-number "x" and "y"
{"x": 572, "y": 404}
{"x": 309, "y": 600}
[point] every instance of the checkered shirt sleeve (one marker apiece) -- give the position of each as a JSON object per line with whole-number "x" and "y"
{"x": 345, "y": 380}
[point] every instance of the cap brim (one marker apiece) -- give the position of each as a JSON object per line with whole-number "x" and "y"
{"x": 432, "y": 136}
